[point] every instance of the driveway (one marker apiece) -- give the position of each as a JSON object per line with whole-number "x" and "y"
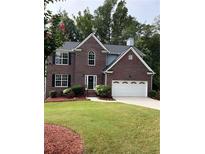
{"x": 141, "y": 101}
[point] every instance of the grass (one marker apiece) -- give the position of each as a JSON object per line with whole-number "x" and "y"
{"x": 109, "y": 128}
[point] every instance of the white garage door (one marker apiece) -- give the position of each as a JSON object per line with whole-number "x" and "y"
{"x": 129, "y": 88}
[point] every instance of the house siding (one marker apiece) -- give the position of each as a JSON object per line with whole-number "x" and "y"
{"x": 126, "y": 69}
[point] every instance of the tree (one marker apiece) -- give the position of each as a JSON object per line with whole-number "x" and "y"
{"x": 84, "y": 23}
{"x": 119, "y": 23}
{"x": 149, "y": 43}
{"x": 53, "y": 32}
{"x": 103, "y": 20}
{"x": 71, "y": 32}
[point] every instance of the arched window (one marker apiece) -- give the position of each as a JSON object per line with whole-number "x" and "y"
{"x": 91, "y": 58}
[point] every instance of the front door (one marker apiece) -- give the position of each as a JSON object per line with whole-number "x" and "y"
{"x": 90, "y": 81}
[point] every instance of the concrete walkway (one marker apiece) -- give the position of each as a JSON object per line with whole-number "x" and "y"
{"x": 141, "y": 101}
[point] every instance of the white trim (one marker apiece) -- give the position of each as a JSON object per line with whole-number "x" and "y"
{"x": 109, "y": 72}
{"x": 61, "y": 80}
{"x": 150, "y": 73}
{"x": 77, "y": 49}
{"x": 106, "y": 79}
{"x": 86, "y": 82}
{"x": 91, "y": 35}
{"x": 94, "y": 58}
{"x": 62, "y": 50}
{"x": 133, "y": 50}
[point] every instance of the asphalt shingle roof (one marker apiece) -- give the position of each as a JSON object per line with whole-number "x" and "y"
{"x": 114, "y": 49}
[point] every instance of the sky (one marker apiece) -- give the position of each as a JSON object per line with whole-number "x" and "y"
{"x": 144, "y": 10}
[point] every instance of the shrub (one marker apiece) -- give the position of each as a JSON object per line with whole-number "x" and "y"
{"x": 158, "y": 95}
{"x": 66, "y": 91}
{"x": 103, "y": 91}
{"x": 152, "y": 94}
{"x": 52, "y": 93}
{"x": 78, "y": 90}
{"x": 60, "y": 93}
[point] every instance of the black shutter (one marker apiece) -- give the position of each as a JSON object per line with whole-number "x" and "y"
{"x": 69, "y": 55}
{"x": 69, "y": 80}
{"x": 53, "y": 80}
{"x": 54, "y": 57}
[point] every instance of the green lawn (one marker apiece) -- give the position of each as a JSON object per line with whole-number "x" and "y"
{"x": 109, "y": 128}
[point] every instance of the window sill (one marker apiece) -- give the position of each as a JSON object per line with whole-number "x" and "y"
{"x": 61, "y": 64}
{"x": 60, "y": 86}
{"x": 91, "y": 65}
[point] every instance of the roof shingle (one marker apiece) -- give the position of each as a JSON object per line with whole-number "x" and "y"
{"x": 114, "y": 49}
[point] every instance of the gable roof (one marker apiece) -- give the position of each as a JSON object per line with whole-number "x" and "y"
{"x": 91, "y": 35}
{"x": 123, "y": 54}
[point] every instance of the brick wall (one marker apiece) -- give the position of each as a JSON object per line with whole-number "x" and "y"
{"x": 129, "y": 70}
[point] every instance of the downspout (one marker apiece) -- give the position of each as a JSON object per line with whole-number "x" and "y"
{"x": 151, "y": 80}
{"x": 106, "y": 79}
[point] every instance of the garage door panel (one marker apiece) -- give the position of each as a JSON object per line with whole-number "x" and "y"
{"x": 129, "y": 88}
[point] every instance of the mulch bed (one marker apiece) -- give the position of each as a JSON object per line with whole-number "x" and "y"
{"x": 60, "y": 140}
{"x": 62, "y": 99}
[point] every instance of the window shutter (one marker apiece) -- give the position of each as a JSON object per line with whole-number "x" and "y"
{"x": 69, "y": 80}
{"x": 53, "y": 80}
{"x": 69, "y": 56}
{"x": 54, "y": 57}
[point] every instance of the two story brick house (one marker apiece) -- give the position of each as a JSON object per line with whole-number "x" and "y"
{"x": 90, "y": 63}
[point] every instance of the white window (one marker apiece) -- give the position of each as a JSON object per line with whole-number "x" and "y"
{"x": 61, "y": 58}
{"x": 61, "y": 80}
{"x": 91, "y": 58}
{"x": 130, "y": 57}
{"x": 90, "y": 82}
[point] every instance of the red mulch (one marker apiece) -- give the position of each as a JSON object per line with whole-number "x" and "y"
{"x": 62, "y": 99}
{"x": 60, "y": 140}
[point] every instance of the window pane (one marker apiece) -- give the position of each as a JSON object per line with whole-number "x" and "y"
{"x": 58, "y": 77}
{"x": 58, "y": 54}
{"x": 61, "y": 55}
{"x": 91, "y": 56}
{"x": 65, "y": 55}
{"x": 58, "y": 83}
{"x": 64, "y": 77}
{"x": 64, "y": 83}
{"x": 65, "y": 61}
{"x": 57, "y": 60}
{"x": 91, "y": 62}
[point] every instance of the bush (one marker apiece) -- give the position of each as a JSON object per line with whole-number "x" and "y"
{"x": 60, "y": 93}
{"x": 152, "y": 94}
{"x": 158, "y": 95}
{"x": 67, "y": 91}
{"x": 103, "y": 91}
{"x": 52, "y": 93}
{"x": 78, "y": 90}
